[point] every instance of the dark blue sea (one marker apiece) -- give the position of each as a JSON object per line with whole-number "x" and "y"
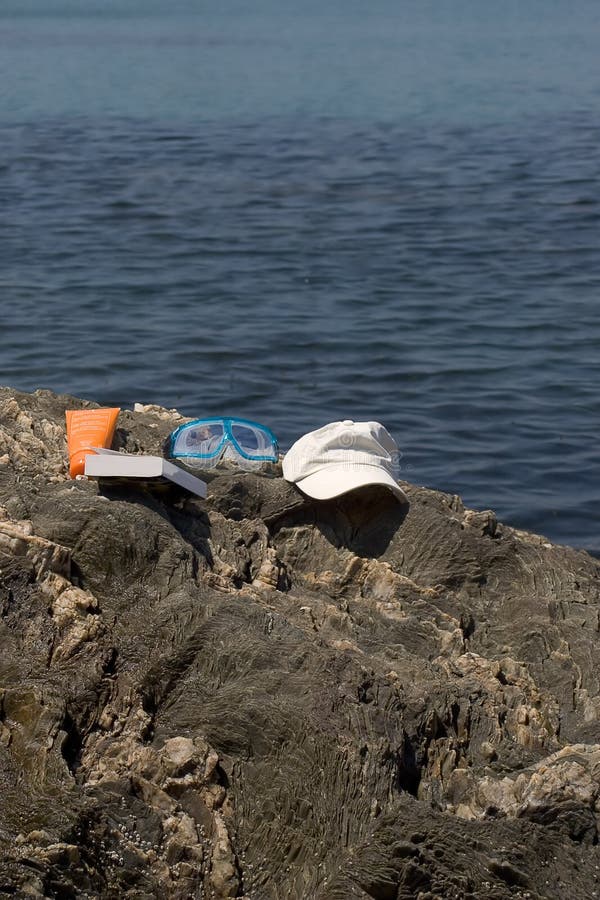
{"x": 300, "y": 212}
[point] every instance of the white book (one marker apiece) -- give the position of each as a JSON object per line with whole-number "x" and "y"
{"x": 105, "y": 463}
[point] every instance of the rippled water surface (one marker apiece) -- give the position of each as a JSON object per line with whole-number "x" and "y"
{"x": 299, "y": 216}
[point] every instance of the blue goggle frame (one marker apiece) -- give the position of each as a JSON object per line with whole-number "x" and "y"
{"x": 227, "y": 425}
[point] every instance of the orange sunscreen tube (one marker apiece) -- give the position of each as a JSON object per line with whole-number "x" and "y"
{"x": 87, "y": 428}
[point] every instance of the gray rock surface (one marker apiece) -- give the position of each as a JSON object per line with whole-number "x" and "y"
{"x": 260, "y": 696}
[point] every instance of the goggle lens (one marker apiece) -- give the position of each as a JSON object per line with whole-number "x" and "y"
{"x": 250, "y": 440}
{"x": 203, "y": 439}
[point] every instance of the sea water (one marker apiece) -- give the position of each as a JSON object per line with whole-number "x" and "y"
{"x": 304, "y": 212}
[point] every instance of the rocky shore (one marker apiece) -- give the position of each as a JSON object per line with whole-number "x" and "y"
{"x": 261, "y": 696}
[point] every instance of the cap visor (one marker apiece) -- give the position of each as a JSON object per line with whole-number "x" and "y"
{"x": 333, "y": 481}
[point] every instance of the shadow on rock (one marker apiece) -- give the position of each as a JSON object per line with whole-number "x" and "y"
{"x": 364, "y": 522}
{"x": 185, "y": 513}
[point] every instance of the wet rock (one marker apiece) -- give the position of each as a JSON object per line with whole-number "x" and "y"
{"x": 260, "y": 696}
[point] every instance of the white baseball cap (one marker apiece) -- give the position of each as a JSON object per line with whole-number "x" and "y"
{"x": 342, "y": 457}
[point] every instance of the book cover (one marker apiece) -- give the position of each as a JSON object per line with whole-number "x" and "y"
{"x": 111, "y": 464}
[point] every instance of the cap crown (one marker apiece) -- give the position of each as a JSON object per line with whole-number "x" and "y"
{"x": 345, "y": 444}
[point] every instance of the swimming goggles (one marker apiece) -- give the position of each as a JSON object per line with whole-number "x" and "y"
{"x": 205, "y": 442}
